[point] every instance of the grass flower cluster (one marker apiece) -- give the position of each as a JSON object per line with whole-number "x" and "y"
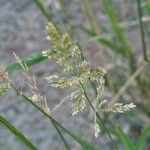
{"x": 77, "y": 74}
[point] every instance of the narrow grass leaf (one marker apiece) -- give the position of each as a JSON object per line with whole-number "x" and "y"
{"x": 144, "y": 48}
{"x": 29, "y": 60}
{"x": 124, "y": 139}
{"x": 17, "y": 133}
{"x": 147, "y": 6}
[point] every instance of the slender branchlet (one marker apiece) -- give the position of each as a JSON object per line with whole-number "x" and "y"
{"x": 31, "y": 81}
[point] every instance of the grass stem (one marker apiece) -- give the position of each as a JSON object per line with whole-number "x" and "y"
{"x": 142, "y": 30}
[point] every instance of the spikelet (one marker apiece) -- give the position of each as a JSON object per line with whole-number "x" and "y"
{"x": 79, "y": 104}
{"x": 3, "y": 88}
{"x": 96, "y": 127}
{"x": 97, "y": 77}
{"x": 2, "y": 72}
{"x": 120, "y": 107}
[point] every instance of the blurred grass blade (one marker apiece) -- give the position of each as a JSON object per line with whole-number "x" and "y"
{"x": 125, "y": 51}
{"x": 124, "y": 139}
{"x": 104, "y": 40}
{"x": 41, "y": 7}
{"x": 89, "y": 16}
{"x": 147, "y": 6}
{"x": 114, "y": 21}
{"x": 142, "y": 139}
{"x": 17, "y": 133}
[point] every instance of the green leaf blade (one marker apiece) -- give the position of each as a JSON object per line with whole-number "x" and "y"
{"x": 128, "y": 144}
{"x": 17, "y": 133}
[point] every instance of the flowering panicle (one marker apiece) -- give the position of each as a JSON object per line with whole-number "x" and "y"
{"x": 96, "y": 127}
{"x": 63, "y": 49}
{"x": 80, "y": 72}
{"x": 31, "y": 81}
{"x": 97, "y": 77}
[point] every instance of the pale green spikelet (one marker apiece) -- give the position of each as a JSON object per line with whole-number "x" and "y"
{"x": 5, "y": 84}
{"x": 97, "y": 77}
{"x": 97, "y": 73}
{"x": 100, "y": 87}
{"x": 101, "y": 104}
{"x": 54, "y": 36}
{"x": 61, "y": 47}
{"x": 121, "y": 108}
{"x": 67, "y": 66}
{"x": 58, "y": 82}
{"x": 84, "y": 68}
{"x": 96, "y": 127}
{"x": 3, "y": 88}
{"x": 118, "y": 108}
{"x": 76, "y": 53}
{"x": 79, "y": 105}
{"x": 65, "y": 42}
{"x": 79, "y": 98}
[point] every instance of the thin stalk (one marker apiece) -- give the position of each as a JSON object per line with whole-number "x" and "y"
{"x": 98, "y": 116}
{"x": 142, "y": 30}
{"x": 127, "y": 83}
{"x": 66, "y": 18}
{"x": 61, "y": 135}
{"x": 43, "y": 10}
